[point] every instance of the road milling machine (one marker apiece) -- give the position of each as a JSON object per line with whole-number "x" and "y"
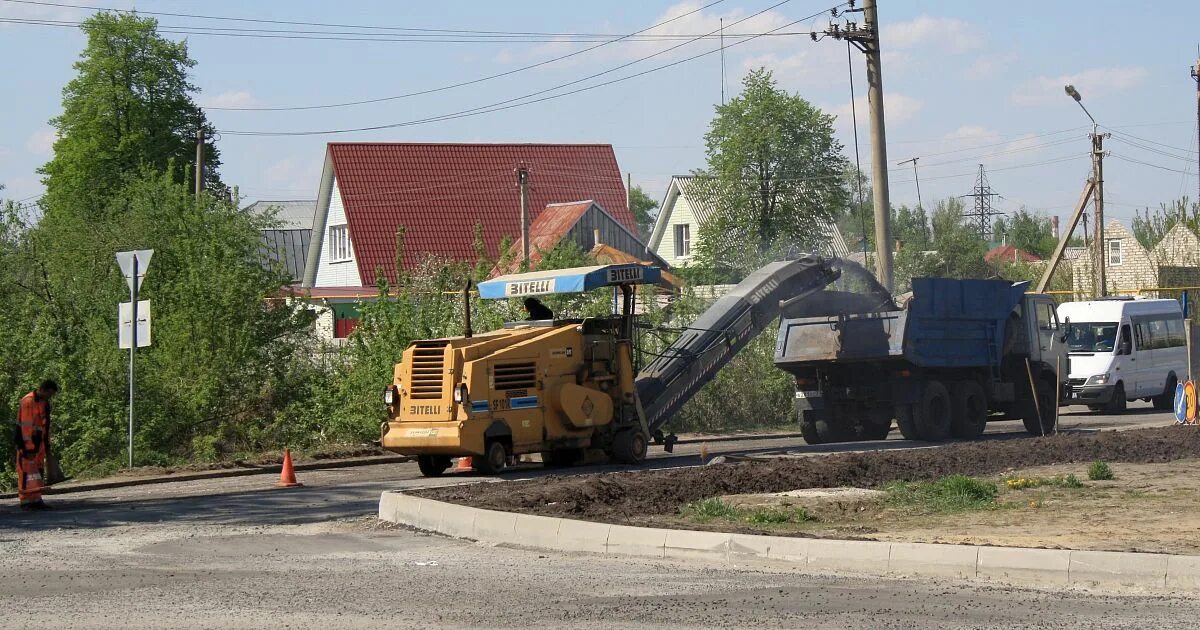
{"x": 564, "y": 386}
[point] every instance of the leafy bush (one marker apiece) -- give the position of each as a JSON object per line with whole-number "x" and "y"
{"x": 1100, "y": 471}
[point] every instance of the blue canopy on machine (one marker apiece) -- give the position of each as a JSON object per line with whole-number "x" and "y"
{"x": 573, "y": 280}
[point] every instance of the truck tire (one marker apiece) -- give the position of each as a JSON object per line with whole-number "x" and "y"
{"x": 873, "y": 431}
{"x": 629, "y": 446}
{"x": 1166, "y": 400}
{"x": 970, "y": 410}
{"x": 494, "y": 459}
{"x": 1118, "y": 402}
{"x": 808, "y": 427}
{"x": 433, "y": 465}
{"x": 904, "y": 422}
{"x": 931, "y": 417}
{"x": 1044, "y": 423}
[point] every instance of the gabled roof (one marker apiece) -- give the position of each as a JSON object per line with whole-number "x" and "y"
{"x": 288, "y": 248}
{"x": 293, "y": 214}
{"x": 1009, "y": 253}
{"x": 705, "y": 208}
{"x": 440, "y": 192}
{"x": 549, "y": 228}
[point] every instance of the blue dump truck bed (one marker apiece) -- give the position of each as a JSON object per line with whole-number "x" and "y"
{"x": 948, "y": 323}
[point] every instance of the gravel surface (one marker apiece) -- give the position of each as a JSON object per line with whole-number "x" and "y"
{"x": 356, "y": 574}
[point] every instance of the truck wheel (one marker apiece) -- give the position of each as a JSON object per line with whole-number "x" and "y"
{"x": 873, "y": 430}
{"x": 808, "y": 428}
{"x": 1118, "y": 402}
{"x": 904, "y": 422}
{"x": 1044, "y": 424}
{"x": 1166, "y": 400}
{"x": 932, "y": 415}
{"x": 433, "y": 465}
{"x": 629, "y": 446}
{"x": 494, "y": 459}
{"x": 970, "y": 410}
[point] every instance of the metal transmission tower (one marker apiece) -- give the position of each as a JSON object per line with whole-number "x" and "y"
{"x": 982, "y": 212}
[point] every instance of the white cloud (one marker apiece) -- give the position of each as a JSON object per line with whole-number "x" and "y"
{"x": 897, "y": 108}
{"x": 41, "y": 12}
{"x": 291, "y": 174}
{"x": 41, "y": 142}
{"x": 231, "y": 98}
{"x": 950, "y": 34}
{"x": 1092, "y": 83}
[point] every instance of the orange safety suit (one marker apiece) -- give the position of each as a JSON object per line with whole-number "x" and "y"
{"x": 33, "y": 420}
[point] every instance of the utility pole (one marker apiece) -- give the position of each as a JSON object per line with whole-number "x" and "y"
{"x": 200, "y": 157}
{"x": 917, "y": 181}
{"x": 1098, "y": 205}
{"x": 1097, "y": 179}
{"x": 879, "y": 168}
{"x": 866, "y": 40}
{"x": 1196, "y": 77}
{"x": 523, "y": 184}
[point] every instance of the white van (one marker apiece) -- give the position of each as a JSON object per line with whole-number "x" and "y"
{"x": 1122, "y": 349}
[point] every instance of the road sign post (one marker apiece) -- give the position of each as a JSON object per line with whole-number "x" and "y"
{"x": 133, "y": 265}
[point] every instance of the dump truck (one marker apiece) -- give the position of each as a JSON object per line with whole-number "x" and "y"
{"x": 958, "y": 354}
{"x": 560, "y": 387}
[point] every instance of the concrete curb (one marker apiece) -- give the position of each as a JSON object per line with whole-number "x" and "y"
{"x": 88, "y": 486}
{"x": 1009, "y": 565}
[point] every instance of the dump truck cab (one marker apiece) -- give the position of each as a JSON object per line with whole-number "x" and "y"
{"x": 555, "y": 387}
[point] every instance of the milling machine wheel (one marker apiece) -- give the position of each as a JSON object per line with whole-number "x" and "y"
{"x": 494, "y": 459}
{"x": 629, "y": 446}
{"x": 433, "y": 465}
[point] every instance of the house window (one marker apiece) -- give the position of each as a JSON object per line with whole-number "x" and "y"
{"x": 683, "y": 240}
{"x": 339, "y": 243}
{"x": 1114, "y": 252}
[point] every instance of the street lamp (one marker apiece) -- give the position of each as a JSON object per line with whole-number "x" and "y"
{"x": 1097, "y": 191}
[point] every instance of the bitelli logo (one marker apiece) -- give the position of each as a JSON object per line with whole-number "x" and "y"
{"x": 424, "y": 410}
{"x": 764, "y": 291}
{"x": 625, "y": 274}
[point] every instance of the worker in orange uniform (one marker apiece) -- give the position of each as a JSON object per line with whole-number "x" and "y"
{"x": 32, "y": 441}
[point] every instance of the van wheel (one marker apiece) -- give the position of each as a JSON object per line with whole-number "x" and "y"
{"x": 1166, "y": 400}
{"x": 494, "y": 459}
{"x": 932, "y": 415}
{"x": 970, "y": 410}
{"x": 1118, "y": 402}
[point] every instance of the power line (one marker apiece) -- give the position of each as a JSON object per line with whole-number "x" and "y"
{"x": 527, "y": 98}
{"x": 1135, "y": 161}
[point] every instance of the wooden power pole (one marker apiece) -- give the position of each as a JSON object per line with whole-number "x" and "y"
{"x": 1196, "y": 76}
{"x": 200, "y": 157}
{"x": 523, "y": 185}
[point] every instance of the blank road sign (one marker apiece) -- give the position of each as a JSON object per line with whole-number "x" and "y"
{"x": 125, "y": 329}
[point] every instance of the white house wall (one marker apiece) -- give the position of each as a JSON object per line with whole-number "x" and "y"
{"x": 336, "y": 274}
{"x": 681, "y": 213}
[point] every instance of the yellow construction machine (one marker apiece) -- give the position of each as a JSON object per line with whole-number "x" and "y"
{"x": 561, "y": 387}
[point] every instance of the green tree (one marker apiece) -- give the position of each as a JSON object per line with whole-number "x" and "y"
{"x": 129, "y": 107}
{"x": 775, "y": 173}
{"x": 644, "y": 209}
{"x": 1150, "y": 227}
{"x": 1028, "y": 232}
{"x": 910, "y": 226}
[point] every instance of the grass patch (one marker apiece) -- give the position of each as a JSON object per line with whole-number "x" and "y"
{"x": 1100, "y": 471}
{"x": 955, "y": 493}
{"x": 710, "y": 509}
{"x": 1058, "y": 481}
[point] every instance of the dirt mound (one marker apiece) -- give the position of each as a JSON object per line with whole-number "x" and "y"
{"x": 623, "y": 497}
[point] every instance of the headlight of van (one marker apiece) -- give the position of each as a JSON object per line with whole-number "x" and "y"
{"x": 1099, "y": 379}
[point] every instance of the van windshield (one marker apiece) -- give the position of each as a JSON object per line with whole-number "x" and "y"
{"x": 1092, "y": 337}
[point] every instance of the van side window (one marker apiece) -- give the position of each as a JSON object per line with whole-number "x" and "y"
{"x": 1175, "y": 330}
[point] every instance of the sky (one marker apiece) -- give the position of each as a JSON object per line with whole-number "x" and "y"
{"x": 965, "y": 83}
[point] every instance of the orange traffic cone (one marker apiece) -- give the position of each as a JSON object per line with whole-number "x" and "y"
{"x": 463, "y": 465}
{"x": 287, "y": 476}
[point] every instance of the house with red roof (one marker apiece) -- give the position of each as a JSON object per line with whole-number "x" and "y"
{"x": 585, "y": 223}
{"x": 438, "y": 194}
{"x": 1009, "y": 253}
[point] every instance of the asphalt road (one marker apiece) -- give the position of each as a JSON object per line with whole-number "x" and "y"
{"x": 238, "y": 553}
